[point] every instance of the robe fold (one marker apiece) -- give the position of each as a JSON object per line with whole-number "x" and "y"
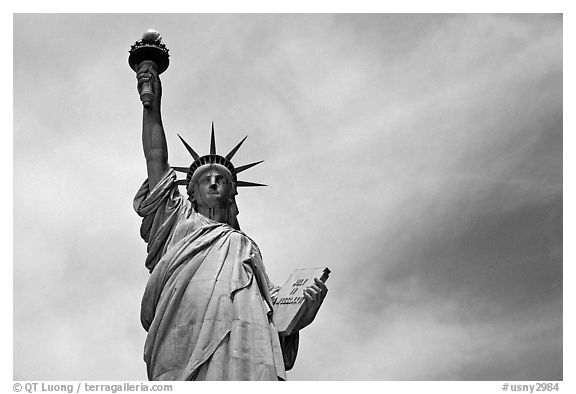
{"x": 207, "y": 306}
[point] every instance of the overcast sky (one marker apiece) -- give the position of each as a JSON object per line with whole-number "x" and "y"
{"x": 419, "y": 157}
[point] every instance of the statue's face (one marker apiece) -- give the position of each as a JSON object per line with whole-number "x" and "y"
{"x": 212, "y": 189}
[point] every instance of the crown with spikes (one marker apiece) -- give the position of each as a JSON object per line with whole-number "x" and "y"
{"x": 213, "y": 158}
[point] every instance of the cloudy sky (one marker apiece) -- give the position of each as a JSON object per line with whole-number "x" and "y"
{"x": 417, "y": 156}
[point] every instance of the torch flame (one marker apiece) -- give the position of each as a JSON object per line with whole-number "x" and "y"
{"x": 151, "y": 35}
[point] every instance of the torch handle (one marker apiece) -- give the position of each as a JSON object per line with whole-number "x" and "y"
{"x": 147, "y": 93}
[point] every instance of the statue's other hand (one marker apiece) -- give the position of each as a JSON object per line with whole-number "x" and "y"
{"x": 148, "y": 78}
{"x": 314, "y": 295}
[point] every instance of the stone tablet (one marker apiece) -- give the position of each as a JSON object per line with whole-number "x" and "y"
{"x": 289, "y": 305}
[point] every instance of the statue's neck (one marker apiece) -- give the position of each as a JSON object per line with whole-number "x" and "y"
{"x": 218, "y": 214}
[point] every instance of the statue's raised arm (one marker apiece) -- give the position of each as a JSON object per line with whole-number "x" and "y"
{"x": 149, "y": 58}
{"x": 153, "y": 137}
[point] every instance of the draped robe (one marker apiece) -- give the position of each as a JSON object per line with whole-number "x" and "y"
{"x": 207, "y": 306}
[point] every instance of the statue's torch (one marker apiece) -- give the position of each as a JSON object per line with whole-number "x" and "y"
{"x": 150, "y": 52}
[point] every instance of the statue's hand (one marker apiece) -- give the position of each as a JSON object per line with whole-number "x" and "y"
{"x": 314, "y": 295}
{"x": 148, "y": 79}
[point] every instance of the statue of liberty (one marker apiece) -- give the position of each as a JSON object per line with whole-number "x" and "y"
{"x": 208, "y": 305}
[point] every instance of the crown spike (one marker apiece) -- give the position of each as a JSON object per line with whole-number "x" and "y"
{"x": 189, "y": 148}
{"x": 245, "y": 167}
{"x": 212, "y": 142}
{"x": 181, "y": 169}
{"x": 245, "y": 184}
{"x": 230, "y": 155}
